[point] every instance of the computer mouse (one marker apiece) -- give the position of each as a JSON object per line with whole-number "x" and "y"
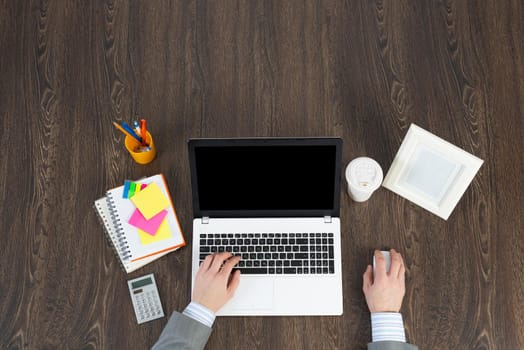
{"x": 387, "y": 256}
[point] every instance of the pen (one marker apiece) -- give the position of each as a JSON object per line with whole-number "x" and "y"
{"x": 131, "y": 132}
{"x": 137, "y": 128}
{"x": 143, "y": 131}
{"x": 124, "y": 131}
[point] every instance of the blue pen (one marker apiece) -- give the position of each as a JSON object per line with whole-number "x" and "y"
{"x": 137, "y": 128}
{"x": 131, "y": 131}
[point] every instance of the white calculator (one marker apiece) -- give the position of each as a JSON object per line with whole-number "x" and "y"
{"x": 146, "y": 300}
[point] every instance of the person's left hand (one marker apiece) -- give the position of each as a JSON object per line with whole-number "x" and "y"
{"x": 215, "y": 285}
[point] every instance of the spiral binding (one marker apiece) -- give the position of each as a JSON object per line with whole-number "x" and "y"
{"x": 123, "y": 246}
{"x": 108, "y": 235}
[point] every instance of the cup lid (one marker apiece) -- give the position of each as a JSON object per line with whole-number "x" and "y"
{"x": 364, "y": 173}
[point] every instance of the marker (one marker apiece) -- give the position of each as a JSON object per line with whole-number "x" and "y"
{"x": 143, "y": 131}
{"x": 130, "y": 131}
{"x": 125, "y": 132}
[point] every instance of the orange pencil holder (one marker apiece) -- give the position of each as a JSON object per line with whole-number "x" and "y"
{"x": 140, "y": 154}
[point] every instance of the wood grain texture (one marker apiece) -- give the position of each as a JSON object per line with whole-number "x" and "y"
{"x": 363, "y": 71}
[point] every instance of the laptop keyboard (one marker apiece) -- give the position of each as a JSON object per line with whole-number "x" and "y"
{"x": 274, "y": 253}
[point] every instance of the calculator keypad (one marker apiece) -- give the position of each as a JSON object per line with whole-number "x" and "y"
{"x": 147, "y": 307}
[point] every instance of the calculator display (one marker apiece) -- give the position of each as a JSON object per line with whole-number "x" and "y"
{"x": 141, "y": 283}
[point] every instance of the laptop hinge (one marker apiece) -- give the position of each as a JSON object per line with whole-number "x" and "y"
{"x": 327, "y": 219}
{"x": 205, "y": 219}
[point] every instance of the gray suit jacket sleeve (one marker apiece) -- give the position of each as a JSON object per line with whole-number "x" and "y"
{"x": 183, "y": 332}
{"x": 391, "y": 345}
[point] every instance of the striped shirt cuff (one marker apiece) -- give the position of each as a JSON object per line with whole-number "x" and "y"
{"x": 387, "y": 326}
{"x": 200, "y": 313}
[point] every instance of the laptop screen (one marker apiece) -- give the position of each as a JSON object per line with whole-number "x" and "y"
{"x": 265, "y": 177}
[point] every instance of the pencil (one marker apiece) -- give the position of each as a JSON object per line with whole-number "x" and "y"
{"x": 126, "y": 133}
{"x": 131, "y": 131}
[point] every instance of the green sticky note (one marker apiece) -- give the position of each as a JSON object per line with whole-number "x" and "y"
{"x": 132, "y": 188}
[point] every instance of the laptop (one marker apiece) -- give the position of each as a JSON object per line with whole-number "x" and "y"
{"x": 275, "y": 202}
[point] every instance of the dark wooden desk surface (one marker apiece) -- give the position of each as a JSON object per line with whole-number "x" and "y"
{"x": 361, "y": 70}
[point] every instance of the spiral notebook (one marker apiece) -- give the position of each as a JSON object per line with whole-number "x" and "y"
{"x": 134, "y": 247}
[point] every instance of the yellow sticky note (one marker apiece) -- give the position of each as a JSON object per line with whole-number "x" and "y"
{"x": 162, "y": 233}
{"x": 150, "y": 201}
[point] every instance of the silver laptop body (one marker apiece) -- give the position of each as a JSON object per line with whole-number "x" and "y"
{"x": 275, "y": 202}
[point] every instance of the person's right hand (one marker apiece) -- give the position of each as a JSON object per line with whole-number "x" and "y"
{"x": 386, "y": 291}
{"x": 214, "y": 283}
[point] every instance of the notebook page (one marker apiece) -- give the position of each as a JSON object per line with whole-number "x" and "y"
{"x": 104, "y": 213}
{"x": 126, "y": 208}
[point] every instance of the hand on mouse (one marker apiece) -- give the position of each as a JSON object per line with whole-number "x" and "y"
{"x": 214, "y": 282}
{"x": 385, "y": 292}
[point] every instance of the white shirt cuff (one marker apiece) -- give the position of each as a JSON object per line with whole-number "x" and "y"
{"x": 200, "y": 313}
{"x": 387, "y": 326}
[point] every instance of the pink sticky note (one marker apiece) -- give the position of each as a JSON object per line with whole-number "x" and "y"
{"x": 150, "y": 226}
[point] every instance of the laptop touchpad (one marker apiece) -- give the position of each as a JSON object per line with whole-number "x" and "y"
{"x": 254, "y": 294}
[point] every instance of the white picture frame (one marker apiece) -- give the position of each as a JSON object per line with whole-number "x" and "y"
{"x": 431, "y": 172}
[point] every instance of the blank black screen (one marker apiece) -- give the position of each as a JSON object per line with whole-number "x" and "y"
{"x": 266, "y": 177}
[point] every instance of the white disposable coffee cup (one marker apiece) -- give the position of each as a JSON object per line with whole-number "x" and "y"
{"x": 364, "y": 176}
